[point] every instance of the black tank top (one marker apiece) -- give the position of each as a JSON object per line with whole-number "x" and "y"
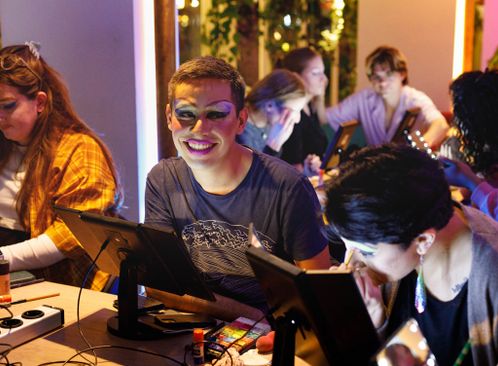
{"x": 443, "y": 323}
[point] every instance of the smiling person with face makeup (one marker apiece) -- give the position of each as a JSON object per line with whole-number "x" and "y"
{"x": 393, "y": 206}
{"x": 274, "y": 106}
{"x": 47, "y": 155}
{"x": 216, "y": 187}
{"x": 380, "y": 108}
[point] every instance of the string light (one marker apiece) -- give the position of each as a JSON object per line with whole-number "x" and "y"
{"x": 184, "y": 20}
{"x": 287, "y": 20}
{"x": 180, "y": 4}
{"x": 330, "y": 38}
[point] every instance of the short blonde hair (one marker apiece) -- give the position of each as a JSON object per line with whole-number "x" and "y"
{"x": 280, "y": 85}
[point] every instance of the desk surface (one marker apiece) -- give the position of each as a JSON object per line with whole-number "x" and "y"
{"x": 95, "y": 309}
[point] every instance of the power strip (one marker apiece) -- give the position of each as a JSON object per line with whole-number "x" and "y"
{"x": 30, "y": 324}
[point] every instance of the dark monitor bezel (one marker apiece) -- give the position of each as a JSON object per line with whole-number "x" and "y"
{"x": 339, "y": 144}
{"x": 164, "y": 263}
{"x": 335, "y": 327}
{"x": 406, "y": 125}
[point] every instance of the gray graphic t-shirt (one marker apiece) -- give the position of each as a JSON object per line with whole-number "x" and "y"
{"x": 274, "y": 196}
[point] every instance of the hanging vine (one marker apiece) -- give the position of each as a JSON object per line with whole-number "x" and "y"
{"x": 222, "y": 32}
{"x": 290, "y": 24}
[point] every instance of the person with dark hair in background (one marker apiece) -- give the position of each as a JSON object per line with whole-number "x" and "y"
{"x": 475, "y": 107}
{"x": 308, "y": 142}
{"x": 274, "y": 105}
{"x": 392, "y": 206}
{"x": 47, "y": 155}
{"x": 216, "y": 187}
{"x": 381, "y": 108}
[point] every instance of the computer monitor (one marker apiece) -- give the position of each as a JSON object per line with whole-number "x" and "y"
{"x": 406, "y": 125}
{"x": 318, "y": 315}
{"x": 338, "y": 145}
{"x": 140, "y": 255}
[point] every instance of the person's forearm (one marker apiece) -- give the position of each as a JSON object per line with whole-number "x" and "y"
{"x": 274, "y": 144}
{"x": 223, "y": 308}
{"x": 436, "y": 133}
{"x": 319, "y": 261}
{"x": 34, "y": 253}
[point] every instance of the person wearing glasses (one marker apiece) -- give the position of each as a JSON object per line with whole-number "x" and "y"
{"x": 380, "y": 108}
{"x": 47, "y": 155}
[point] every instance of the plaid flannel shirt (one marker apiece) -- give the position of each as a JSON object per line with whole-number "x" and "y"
{"x": 80, "y": 179}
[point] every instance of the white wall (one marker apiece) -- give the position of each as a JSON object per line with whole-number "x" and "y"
{"x": 90, "y": 42}
{"x": 422, "y": 30}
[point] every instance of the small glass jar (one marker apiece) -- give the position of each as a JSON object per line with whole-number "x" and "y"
{"x": 5, "y": 297}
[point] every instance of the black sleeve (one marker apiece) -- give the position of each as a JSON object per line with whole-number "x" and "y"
{"x": 269, "y": 151}
{"x": 292, "y": 150}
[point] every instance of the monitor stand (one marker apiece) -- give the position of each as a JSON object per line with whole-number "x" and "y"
{"x": 126, "y": 323}
{"x": 284, "y": 347}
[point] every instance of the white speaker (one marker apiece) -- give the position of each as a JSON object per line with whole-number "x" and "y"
{"x": 30, "y": 324}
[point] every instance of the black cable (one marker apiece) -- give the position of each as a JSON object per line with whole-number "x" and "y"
{"x": 92, "y": 265}
{"x": 108, "y": 346}
{"x": 10, "y": 364}
{"x": 3, "y": 354}
{"x": 11, "y": 315}
{"x": 59, "y": 362}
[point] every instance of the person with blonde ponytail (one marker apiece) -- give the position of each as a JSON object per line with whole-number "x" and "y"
{"x": 48, "y": 155}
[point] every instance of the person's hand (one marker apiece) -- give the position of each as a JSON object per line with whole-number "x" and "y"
{"x": 280, "y": 131}
{"x": 312, "y": 165}
{"x": 372, "y": 296}
{"x": 265, "y": 343}
{"x": 460, "y": 174}
{"x": 369, "y": 285}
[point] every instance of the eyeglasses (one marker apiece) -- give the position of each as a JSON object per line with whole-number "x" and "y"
{"x": 374, "y": 78}
{"x": 11, "y": 62}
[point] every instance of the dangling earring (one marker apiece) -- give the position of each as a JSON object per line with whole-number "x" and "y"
{"x": 420, "y": 294}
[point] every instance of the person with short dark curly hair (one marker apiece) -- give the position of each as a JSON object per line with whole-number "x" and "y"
{"x": 392, "y": 206}
{"x": 475, "y": 107}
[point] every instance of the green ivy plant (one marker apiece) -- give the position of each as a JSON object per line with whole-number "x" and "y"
{"x": 229, "y": 18}
{"x": 279, "y": 33}
{"x": 222, "y": 17}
